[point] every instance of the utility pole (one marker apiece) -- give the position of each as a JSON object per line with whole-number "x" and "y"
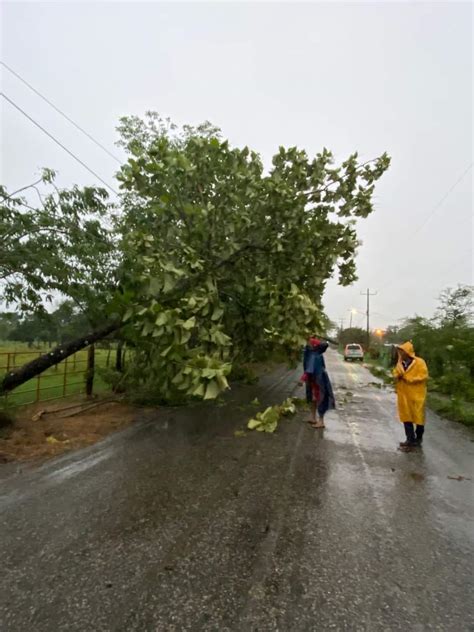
{"x": 368, "y": 294}
{"x": 341, "y": 320}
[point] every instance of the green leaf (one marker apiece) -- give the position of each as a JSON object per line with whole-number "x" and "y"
{"x": 212, "y": 390}
{"x": 155, "y": 286}
{"x": 185, "y": 337}
{"x": 218, "y": 311}
{"x": 161, "y": 319}
{"x": 147, "y": 328}
{"x": 209, "y": 373}
{"x": 190, "y": 323}
{"x": 178, "y": 379}
{"x": 253, "y": 424}
{"x": 223, "y": 383}
{"x": 169, "y": 283}
{"x": 269, "y": 427}
{"x": 288, "y": 407}
{"x": 266, "y": 421}
{"x": 128, "y": 314}
{"x": 199, "y": 391}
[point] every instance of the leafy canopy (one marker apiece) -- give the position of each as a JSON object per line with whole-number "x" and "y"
{"x": 220, "y": 259}
{"x": 61, "y": 245}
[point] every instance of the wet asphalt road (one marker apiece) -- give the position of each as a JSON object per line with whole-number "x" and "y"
{"x": 175, "y": 524}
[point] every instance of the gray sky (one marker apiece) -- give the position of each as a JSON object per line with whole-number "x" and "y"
{"x": 376, "y": 77}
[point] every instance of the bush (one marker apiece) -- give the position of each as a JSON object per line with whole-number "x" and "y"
{"x": 456, "y": 384}
{"x": 452, "y": 408}
{"x": 374, "y": 353}
{"x": 115, "y": 379}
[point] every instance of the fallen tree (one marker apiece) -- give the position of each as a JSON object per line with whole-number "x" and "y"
{"x": 218, "y": 261}
{"x": 16, "y": 378}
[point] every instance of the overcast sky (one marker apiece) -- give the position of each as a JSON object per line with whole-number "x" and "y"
{"x": 370, "y": 77}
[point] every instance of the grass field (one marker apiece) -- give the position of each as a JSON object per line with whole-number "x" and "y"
{"x": 62, "y": 380}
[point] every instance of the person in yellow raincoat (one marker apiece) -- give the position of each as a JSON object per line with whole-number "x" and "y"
{"x": 411, "y": 375}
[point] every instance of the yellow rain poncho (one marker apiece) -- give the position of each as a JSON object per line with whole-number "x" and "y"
{"x": 411, "y": 387}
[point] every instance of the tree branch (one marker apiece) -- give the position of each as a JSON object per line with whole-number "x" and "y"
{"x": 29, "y": 186}
{"x": 331, "y": 182}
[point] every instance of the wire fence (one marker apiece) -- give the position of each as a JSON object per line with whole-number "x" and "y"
{"x": 75, "y": 375}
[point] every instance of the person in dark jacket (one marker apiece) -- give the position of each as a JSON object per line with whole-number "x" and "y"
{"x": 319, "y": 391}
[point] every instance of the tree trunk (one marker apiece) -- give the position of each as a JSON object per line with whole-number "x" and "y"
{"x": 37, "y": 366}
{"x": 90, "y": 371}
{"x": 119, "y": 357}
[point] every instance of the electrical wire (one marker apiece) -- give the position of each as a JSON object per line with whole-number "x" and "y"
{"x": 58, "y": 142}
{"x": 68, "y": 118}
{"x": 445, "y": 196}
{"x": 433, "y": 211}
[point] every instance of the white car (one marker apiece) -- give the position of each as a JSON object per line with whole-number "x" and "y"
{"x": 353, "y": 352}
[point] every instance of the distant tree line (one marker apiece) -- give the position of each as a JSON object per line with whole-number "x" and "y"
{"x": 44, "y": 328}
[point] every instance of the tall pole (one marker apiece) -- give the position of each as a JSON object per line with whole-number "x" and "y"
{"x": 368, "y": 294}
{"x": 368, "y": 318}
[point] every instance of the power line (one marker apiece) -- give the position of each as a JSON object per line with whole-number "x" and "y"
{"x": 68, "y": 118}
{"x": 448, "y": 192}
{"x": 57, "y": 142}
{"x": 433, "y": 211}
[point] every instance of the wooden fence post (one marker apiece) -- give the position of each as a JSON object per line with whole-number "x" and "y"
{"x": 65, "y": 378}
{"x": 8, "y": 370}
{"x": 90, "y": 371}
{"x": 118, "y": 357}
{"x": 38, "y": 387}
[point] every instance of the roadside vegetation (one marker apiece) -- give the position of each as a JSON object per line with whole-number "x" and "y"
{"x": 446, "y": 342}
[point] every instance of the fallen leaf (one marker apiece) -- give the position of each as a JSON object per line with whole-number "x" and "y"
{"x": 239, "y": 433}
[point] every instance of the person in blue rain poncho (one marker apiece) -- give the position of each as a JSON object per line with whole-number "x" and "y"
{"x": 319, "y": 391}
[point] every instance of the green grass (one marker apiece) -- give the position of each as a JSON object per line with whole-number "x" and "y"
{"x": 452, "y": 408}
{"x": 52, "y": 383}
